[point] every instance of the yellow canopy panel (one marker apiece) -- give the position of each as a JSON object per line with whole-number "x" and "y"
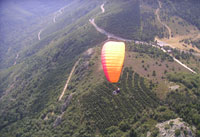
{"x": 112, "y": 57}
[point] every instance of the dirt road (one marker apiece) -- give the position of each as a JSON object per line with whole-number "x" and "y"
{"x": 102, "y": 8}
{"x": 68, "y": 80}
{"x": 158, "y": 17}
{"x": 39, "y": 34}
{"x": 58, "y": 13}
{"x": 109, "y": 35}
{"x": 184, "y": 65}
{"x": 16, "y": 59}
{"x": 163, "y": 43}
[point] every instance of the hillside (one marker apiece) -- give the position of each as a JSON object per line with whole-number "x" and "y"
{"x": 54, "y": 85}
{"x": 20, "y": 22}
{"x": 182, "y": 25}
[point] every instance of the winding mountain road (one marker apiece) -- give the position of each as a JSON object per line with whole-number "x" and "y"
{"x": 109, "y": 35}
{"x": 56, "y": 14}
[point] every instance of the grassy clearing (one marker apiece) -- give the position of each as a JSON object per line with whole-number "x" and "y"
{"x": 174, "y": 43}
{"x": 153, "y": 68}
{"x": 145, "y": 65}
{"x": 180, "y": 26}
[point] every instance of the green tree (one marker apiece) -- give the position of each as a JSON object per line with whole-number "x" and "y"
{"x": 132, "y": 133}
{"x": 177, "y": 132}
{"x": 154, "y": 73}
{"x": 123, "y": 126}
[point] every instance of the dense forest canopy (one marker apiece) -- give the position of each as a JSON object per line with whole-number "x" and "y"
{"x": 186, "y": 9}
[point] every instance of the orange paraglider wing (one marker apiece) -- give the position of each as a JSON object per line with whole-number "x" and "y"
{"x": 112, "y": 58}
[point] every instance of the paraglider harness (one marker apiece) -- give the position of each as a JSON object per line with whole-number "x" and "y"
{"x": 116, "y": 91}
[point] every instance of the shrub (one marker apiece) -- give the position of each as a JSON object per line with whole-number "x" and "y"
{"x": 177, "y": 132}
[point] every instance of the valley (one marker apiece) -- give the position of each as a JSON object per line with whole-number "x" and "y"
{"x": 174, "y": 41}
{"x": 56, "y": 85}
{"x": 110, "y": 36}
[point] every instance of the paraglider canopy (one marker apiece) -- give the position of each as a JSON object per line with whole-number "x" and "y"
{"x": 112, "y": 58}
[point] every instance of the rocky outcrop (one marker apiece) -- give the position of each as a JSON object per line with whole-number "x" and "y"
{"x": 63, "y": 109}
{"x": 174, "y": 128}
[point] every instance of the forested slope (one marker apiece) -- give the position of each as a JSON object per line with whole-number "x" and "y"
{"x": 20, "y": 22}
{"x": 29, "y": 90}
{"x": 188, "y": 10}
{"x": 118, "y": 20}
{"x": 40, "y": 72}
